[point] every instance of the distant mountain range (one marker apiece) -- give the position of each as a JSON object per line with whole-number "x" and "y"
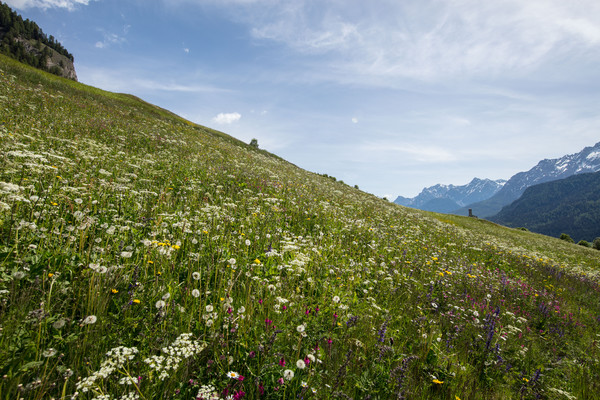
{"x": 587, "y": 160}
{"x": 487, "y": 197}
{"x": 447, "y": 198}
{"x": 570, "y": 205}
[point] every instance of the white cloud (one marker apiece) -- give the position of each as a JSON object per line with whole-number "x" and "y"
{"x": 44, "y": 4}
{"x": 427, "y": 40}
{"x": 186, "y": 50}
{"x": 227, "y": 118}
{"x": 355, "y": 120}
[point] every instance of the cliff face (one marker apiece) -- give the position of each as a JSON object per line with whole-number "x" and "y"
{"x": 56, "y": 63}
{"x": 64, "y": 64}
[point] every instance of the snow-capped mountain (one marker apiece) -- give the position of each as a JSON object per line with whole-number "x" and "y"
{"x": 447, "y": 198}
{"x": 587, "y": 160}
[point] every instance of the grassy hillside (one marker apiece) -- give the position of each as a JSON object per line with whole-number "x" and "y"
{"x": 143, "y": 256}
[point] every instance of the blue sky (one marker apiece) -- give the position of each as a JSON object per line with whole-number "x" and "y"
{"x": 389, "y": 95}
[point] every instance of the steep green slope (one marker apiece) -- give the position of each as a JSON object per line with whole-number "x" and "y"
{"x": 570, "y": 205}
{"x": 143, "y": 256}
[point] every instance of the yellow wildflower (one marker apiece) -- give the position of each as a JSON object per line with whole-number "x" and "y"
{"x": 438, "y": 381}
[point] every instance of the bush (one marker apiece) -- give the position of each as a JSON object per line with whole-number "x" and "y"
{"x": 584, "y": 243}
{"x": 566, "y": 238}
{"x": 596, "y": 243}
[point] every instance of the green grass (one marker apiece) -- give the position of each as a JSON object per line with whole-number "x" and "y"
{"x": 145, "y": 256}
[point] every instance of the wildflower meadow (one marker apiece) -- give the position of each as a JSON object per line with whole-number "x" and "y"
{"x": 145, "y": 257}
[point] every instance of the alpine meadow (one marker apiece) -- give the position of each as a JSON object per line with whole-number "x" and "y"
{"x": 146, "y": 257}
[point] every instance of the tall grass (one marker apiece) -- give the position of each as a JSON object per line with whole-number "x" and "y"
{"x": 142, "y": 256}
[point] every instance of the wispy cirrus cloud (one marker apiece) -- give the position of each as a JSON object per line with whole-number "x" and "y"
{"x": 44, "y": 4}
{"x": 110, "y": 39}
{"x": 425, "y": 40}
{"x": 132, "y": 79}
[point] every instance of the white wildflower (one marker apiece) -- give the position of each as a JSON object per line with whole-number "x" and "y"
{"x": 90, "y": 319}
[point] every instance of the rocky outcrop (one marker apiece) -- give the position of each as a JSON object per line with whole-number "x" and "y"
{"x": 56, "y": 63}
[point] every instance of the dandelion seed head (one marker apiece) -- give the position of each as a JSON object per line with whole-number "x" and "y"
{"x": 288, "y": 374}
{"x": 50, "y": 352}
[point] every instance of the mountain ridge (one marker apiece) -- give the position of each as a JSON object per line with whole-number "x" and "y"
{"x": 446, "y": 198}
{"x": 547, "y": 170}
